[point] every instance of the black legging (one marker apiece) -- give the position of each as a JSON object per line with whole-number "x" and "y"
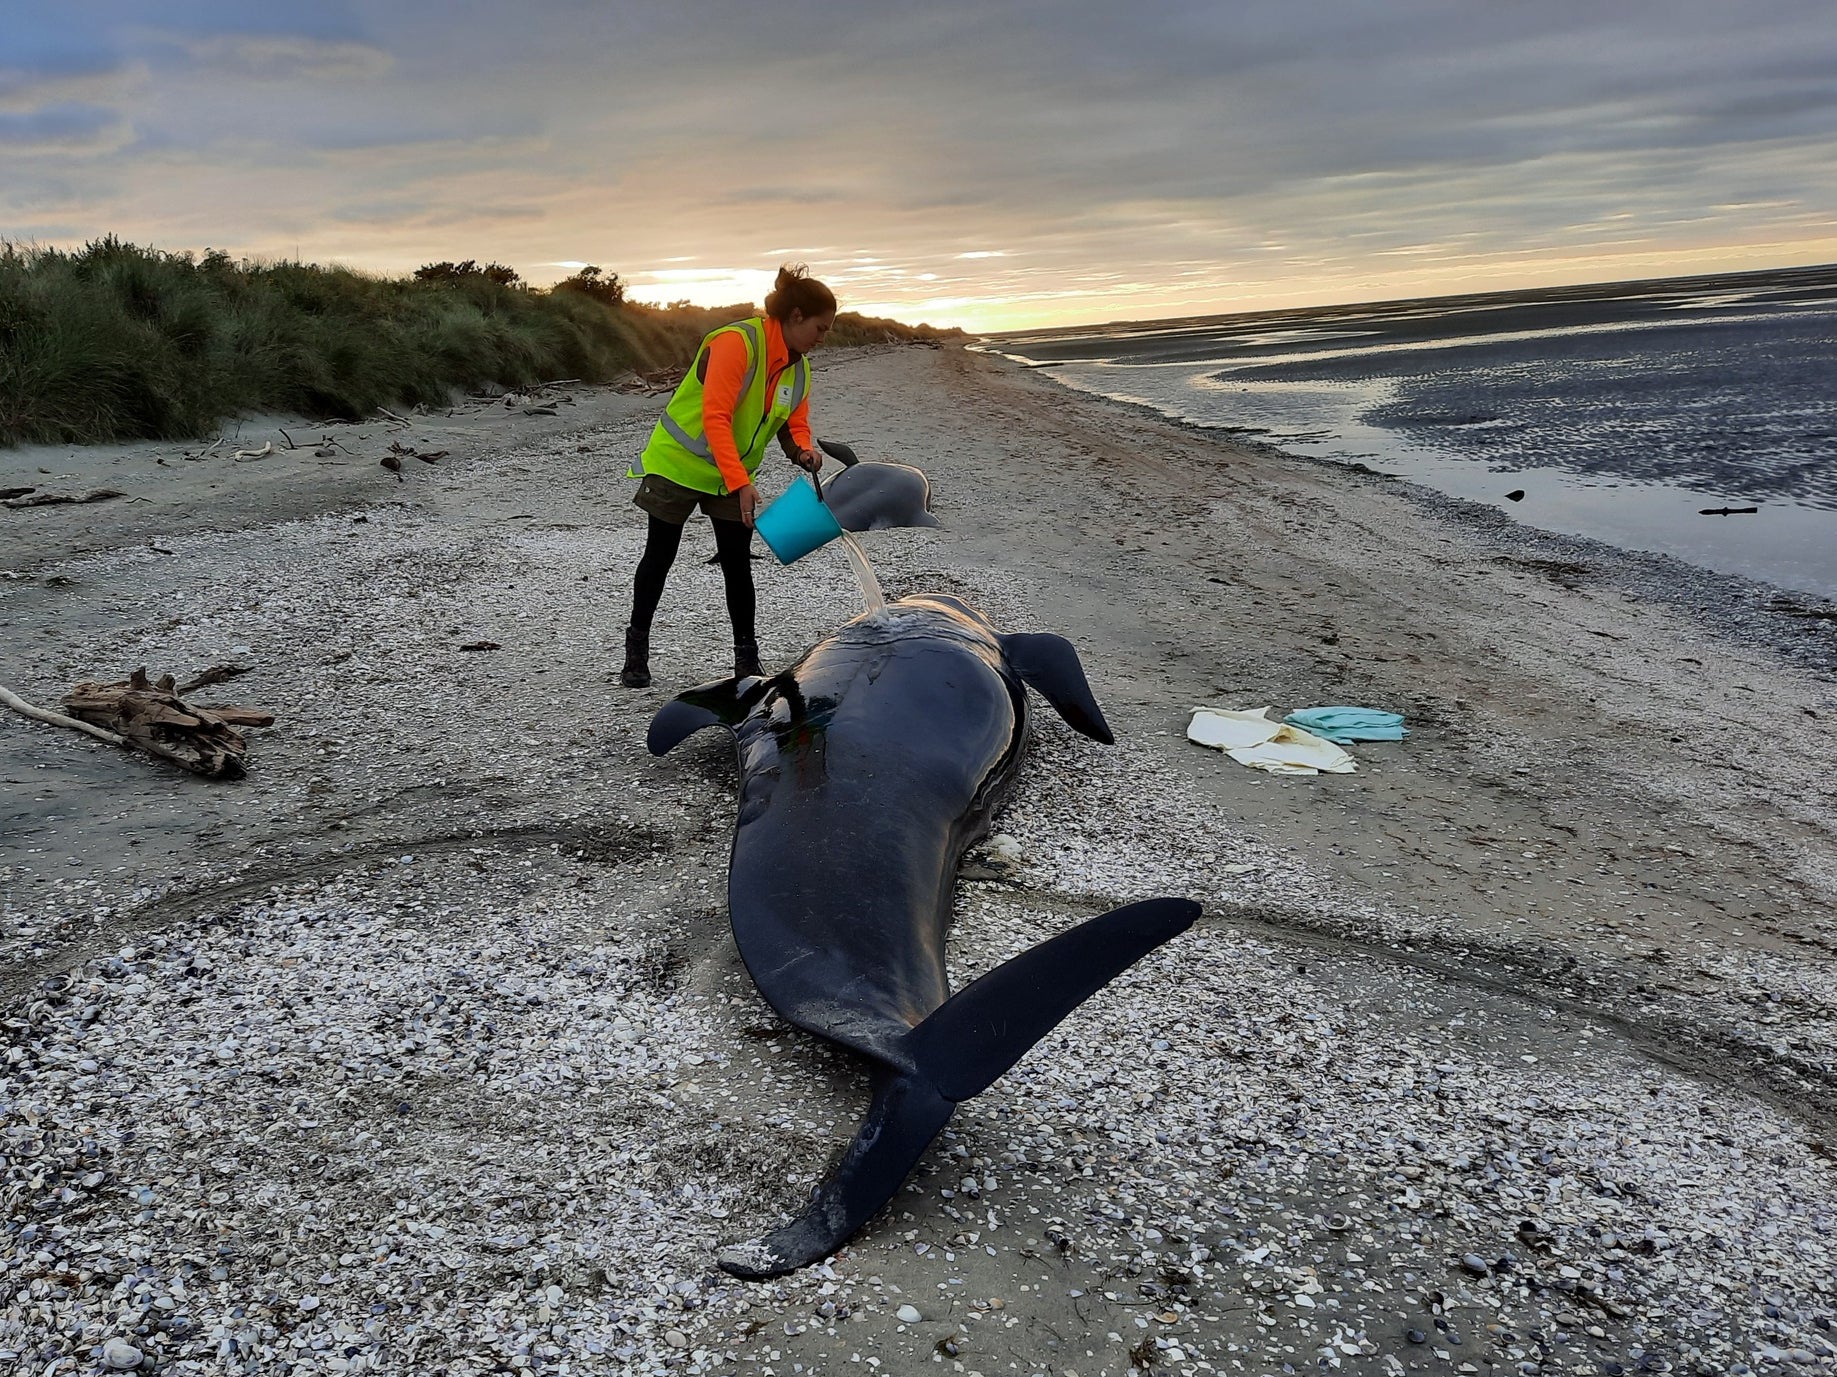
{"x": 732, "y": 545}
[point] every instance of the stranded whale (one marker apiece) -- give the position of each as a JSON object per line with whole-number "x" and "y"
{"x": 867, "y": 769}
{"x": 870, "y": 496}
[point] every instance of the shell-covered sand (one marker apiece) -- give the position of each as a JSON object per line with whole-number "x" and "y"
{"x": 425, "y": 1047}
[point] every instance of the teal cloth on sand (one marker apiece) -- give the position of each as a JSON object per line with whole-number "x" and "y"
{"x": 1343, "y": 724}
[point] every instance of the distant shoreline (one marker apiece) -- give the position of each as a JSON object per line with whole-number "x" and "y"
{"x": 1625, "y": 416}
{"x": 1819, "y": 274}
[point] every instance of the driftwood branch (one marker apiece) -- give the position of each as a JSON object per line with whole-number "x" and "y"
{"x": 56, "y": 499}
{"x": 652, "y": 382}
{"x": 432, "y": 456}
{"x": 152, "y": 716}
{"x": 216, "y": 674}
{"x": 234, "y": 716}
{"x": 57, "y": 719}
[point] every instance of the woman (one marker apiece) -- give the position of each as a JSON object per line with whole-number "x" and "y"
{"x": 750, "y": 379}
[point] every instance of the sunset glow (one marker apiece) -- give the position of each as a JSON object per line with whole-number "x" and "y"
{"x": 954, "y": 163}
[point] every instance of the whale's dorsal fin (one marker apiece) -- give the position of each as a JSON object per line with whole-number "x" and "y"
{"x": 724, "y": 703}
{"x": 1049, "y": 666}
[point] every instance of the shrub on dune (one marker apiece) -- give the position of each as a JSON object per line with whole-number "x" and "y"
{"x": 114, "y": 341}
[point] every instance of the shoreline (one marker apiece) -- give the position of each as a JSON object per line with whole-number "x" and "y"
{"x": 1788, "y": 621}
{"x": 448, "y": 976}
{"x": 1595, "y": 436}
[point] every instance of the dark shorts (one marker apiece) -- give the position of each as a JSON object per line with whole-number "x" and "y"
{"x": 672, "y": 502}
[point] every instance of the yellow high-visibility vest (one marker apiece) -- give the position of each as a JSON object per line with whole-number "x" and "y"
{"x": 678, "y": 449}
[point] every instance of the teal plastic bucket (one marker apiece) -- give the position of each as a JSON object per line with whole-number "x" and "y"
{"x": 797, "y": 522}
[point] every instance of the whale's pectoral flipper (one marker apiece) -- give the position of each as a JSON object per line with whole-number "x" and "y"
{"x": 724, "y": 703}
{"x": 905, "y": 1116}
{"x": 982, "y": 1030}
{"x": 961, "y": 1049}
{"x": 1050, "y": 667}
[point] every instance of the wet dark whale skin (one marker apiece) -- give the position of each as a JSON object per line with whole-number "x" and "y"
{"x": 851, "y": 945}
{"x": 867, "y": 769}
{"x": 876, "y": 497}
{"x": 872, "y": 496}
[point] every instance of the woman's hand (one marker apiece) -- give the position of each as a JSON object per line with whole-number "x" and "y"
{"x": 749, "y": 504}
{"x": 808, "y": 460}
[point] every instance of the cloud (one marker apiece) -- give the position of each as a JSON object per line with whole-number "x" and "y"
{"x": 64, "y": 130}
{"x": 413, "y": 214}
{"x": 286, "y": 57}
{"x": 1173, "y": 150}
{"x": 25, "y": 92}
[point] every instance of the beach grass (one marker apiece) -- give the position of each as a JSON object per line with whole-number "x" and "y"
{"x": 118, "y": 342}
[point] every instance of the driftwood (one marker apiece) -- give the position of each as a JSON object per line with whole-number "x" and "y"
{"x": 216, "y": 674}
{"x": 652, "y": 382}
{"x": 432, "y": 456}
{"x": 58, "y": 499}
{"x": 533, "y": 395}
{"x": 235, "y": 716}
{"x": 57, "y": 719}
{"x": 208, "y": 450}
{"x": 152, "y": 716}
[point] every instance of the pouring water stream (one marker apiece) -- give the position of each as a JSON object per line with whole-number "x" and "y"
{"x": 871, "y": 593}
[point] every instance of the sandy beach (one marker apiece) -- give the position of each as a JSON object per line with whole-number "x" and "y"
{"x": 425, "y": 1047}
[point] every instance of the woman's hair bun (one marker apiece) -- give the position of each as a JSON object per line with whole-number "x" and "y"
{"x": 796, "y": 290}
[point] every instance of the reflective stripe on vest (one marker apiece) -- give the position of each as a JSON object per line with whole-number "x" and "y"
{"x": 698, "y": 444}
{"x": 688, "y": 452}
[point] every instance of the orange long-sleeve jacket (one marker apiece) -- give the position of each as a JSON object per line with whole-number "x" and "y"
{"x": 726, "y": 363}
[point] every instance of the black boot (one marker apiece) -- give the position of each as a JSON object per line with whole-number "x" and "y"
{"x": 637, "y": 671}
{"x": 746, "y": 659}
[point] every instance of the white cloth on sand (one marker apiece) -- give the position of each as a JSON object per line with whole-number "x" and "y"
{"x": 1249, "y": 737}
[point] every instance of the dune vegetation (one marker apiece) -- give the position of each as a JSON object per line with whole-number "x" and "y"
{"x": 118, "y": 342}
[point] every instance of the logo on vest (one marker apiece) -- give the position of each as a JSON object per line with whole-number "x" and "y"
{"x": 784, "y": 397}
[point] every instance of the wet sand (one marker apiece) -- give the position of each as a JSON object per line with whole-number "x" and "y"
{"x": 1522, "y": 1036}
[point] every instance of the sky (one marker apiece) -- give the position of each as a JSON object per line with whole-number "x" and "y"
{"x": 985, "y": 164}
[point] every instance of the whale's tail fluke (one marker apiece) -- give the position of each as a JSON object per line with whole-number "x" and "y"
{"x": 979, "y": 1032}
{"x": 905, "y": 1116}
{"x": 961, "y": 1049}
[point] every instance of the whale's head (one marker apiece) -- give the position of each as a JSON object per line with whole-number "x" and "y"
{"x": 875, "y": 497}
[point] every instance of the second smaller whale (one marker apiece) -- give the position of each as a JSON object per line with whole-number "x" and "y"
{"x": 870, "y": 496}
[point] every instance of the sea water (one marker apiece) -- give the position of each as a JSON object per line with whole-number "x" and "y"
{"x": 1616, "y": 411}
